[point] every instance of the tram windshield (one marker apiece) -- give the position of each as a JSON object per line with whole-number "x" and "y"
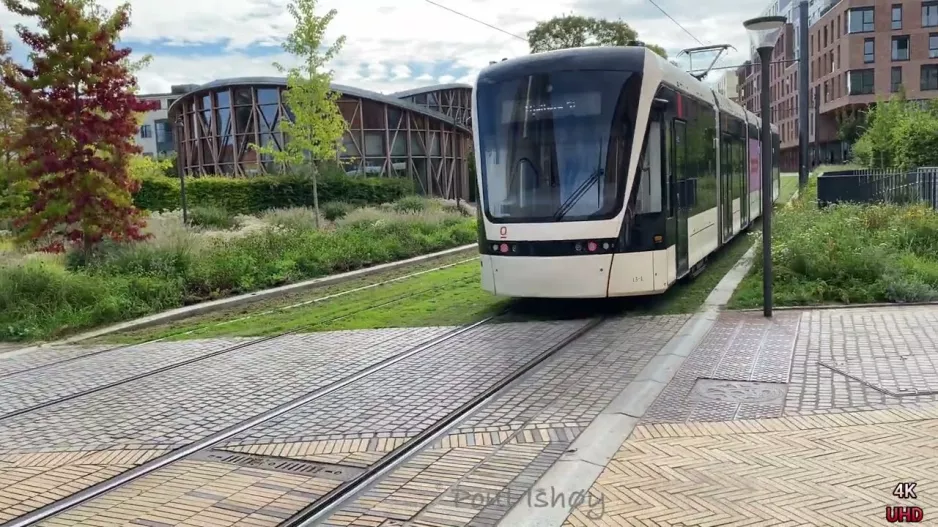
{"x": 555, "y": 146}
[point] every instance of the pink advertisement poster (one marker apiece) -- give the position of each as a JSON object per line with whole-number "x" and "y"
{"x": 755, "y": 175}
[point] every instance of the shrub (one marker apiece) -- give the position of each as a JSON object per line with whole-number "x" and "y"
{"x": 850, "y": 253}
{"x": 254, "y": 195}
{"x": 212, "y": 217}
{"x": 178, "y": 267}
{"x": 335, "y": 210}
{"x": 293, "y": 218}
{"x": 411, "y": 204}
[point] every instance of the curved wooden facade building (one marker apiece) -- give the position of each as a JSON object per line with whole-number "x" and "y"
{"x": 389, "y": 135}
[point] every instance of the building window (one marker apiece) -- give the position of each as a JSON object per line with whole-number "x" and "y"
{"x": 896, "y": 81}
{"x": 933, "y": 46}
{"x": 897, "y": 16}
{"x": 869, "y": 51}
{"x": 860, "y": 82}
{"x": 860, "y": 20}
{"x": 900, "y": 48}
{"x": 929, "y": 14}
{"x": 929, "y": 77}
{"x": 146, "y": 131}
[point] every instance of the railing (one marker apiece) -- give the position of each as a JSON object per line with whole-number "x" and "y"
{"x": 879, "y": 186}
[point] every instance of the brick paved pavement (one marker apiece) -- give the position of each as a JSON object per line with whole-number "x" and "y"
{"x": 54, "y": 381}
{"x": 856, "y": 416}
{"x": 516, "y": 437}
{"x": 410, "y": 396}
{"x": 187, "y": 403}
{"x": 502, "y": 450}
{"x": 180, "y": 406}
{"x": 800, "y": 418}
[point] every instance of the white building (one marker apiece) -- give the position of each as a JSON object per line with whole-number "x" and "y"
{"x": 155, "y": 134}
{"x": 727, "y": 85}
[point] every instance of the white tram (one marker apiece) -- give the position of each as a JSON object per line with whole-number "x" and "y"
{"x": 608, "y": 172}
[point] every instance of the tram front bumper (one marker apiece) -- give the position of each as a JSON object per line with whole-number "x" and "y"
{"x": 584, "y": 276}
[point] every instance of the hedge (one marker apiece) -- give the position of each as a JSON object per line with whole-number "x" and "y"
{"x": 252, "y": 195}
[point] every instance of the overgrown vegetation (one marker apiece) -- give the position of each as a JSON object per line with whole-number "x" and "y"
{"x": 898, "y": 133}
{"x": 46, "y": 297}
{"x": 847, "y": 254}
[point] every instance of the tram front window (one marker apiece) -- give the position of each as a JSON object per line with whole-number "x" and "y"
{"x": 555, "y": 146}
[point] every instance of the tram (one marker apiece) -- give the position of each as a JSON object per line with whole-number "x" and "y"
{"x": 608, "y": 172}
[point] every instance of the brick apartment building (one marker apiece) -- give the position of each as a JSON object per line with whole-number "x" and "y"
{"x": 858, "y": 50}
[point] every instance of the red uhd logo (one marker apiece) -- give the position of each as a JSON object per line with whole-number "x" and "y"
{"x": 904, "y": 514}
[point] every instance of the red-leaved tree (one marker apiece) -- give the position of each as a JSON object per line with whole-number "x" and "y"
{"x": 80, "y": 116}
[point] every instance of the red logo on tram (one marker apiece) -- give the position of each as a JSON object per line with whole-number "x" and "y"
{"x": 503, "y": 232}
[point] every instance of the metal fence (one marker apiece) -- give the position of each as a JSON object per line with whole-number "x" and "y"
{"x": 879, "y": 186}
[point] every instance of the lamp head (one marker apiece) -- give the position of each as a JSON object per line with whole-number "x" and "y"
{"x": 764, "y": 30}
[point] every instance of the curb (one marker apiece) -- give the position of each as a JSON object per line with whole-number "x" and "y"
{"x": 225, "y": 303}
{"x": 587, "y": 457}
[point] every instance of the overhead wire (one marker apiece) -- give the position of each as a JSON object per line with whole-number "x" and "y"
{"x": 519, "y": 37}
{"x": 665, "y": 13}
{"x": 476, "y": 20}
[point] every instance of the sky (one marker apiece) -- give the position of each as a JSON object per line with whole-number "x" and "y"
{"x": 393, "y": 45}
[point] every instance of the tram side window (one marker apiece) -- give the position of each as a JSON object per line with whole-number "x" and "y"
{"x": 700, "y": 164}
{"x": 648, "y": 196}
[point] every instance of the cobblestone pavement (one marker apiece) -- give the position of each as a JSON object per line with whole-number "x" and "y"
{"x": 353, "y": 427}
{"x": 15, "y": 361}
{"x": 177, "y": 407}
{"x": 502, "y": 450}
{"x": 54, "y": 381}
{"x": 805, "y": 417}
{"x": 730, "y": 442}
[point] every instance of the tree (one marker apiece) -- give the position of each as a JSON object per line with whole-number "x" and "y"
{"x": 317, "y": 125}
{"x": 11, "y": 122}
{"x": 850, "y": 125}
{"x": 572, "y": 31}
{"x": 79, "y": 108}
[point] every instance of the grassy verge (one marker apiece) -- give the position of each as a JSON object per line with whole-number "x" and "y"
{"x": 450, "y": 296}
{"x": 848, "y": 254}
{"x": 46, "y": 298}
{"x": 301, "y": 305}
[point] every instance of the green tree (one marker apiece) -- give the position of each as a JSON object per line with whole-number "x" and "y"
{"x": 899, "y": 134}
{"x": 850, "y": 125}
{"x": 317, "y": 125}
{"x": 573, "y": 31}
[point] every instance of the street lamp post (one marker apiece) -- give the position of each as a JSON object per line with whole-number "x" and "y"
{"x": 180, "y": 130}
{"x": 763, "y": 34}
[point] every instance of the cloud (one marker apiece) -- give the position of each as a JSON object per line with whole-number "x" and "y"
{"x": 392, "y": 45}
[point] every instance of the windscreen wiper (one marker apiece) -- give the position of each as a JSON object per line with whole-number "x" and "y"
{"x": 567, "y": 205}
{"x": 581, "y": 190}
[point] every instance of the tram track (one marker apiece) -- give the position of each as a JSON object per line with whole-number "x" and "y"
{"x": 342, "y": 494}
{"x": 240, "y": 319}
{"x": 89, "y": 493}
{"x": 243, "y": 345}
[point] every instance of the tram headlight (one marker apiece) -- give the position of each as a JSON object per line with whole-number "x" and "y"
{"x": 591, "y": 247}
{"x": 605, "y": 246}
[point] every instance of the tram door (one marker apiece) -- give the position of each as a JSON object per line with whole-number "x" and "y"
{"x": 678, "y": 178}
